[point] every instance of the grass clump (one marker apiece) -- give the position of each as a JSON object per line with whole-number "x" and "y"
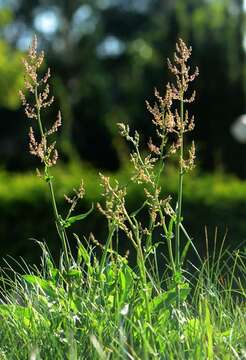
{"x": 93, "y": 304}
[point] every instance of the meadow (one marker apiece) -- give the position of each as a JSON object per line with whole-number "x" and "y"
{"x": 96, "y": 301}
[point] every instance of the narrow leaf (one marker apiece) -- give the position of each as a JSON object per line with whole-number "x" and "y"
{"x": 73, "y": 219}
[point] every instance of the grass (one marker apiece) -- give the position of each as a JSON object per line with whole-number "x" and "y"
{"x": 92, "y": 304}
{"x": 89, "y": 314}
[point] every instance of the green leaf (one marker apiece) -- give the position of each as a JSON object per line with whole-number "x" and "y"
{"x": 74, "y": 273}
{"x": 122, "y": 280}
{"x": 170, "y": 226}
{"x": 48, "y": 178}
{"x": 20, "y": 313}
{"x": 54, "y": 275}
{"x": 83, "y": 254}
{"x": 45, "y": 285}
{"x": 126, "y": 282}
{"x": 68, "y": 222}
{"x": 192, "y": 329}
{"x": 35, "y": 280}
{"x": 184, "y": 252}
{"x": 168, "y": 298}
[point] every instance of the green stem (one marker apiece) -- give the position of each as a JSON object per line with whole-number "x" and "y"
{"x": 142, "y": 269}
{"x": 169, "y": 242}
{"x": 60, "y": 228}
{"x": 156, "y": 185}
{"x": 108, "y": 242}
{"x": 141, "y": 265}
{"x": 180, "y": 188}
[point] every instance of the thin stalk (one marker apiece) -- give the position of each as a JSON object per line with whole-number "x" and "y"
{"x": 142, "y": 268}
{"x": 141, "y": 265}
{"x": 156, "y": 185}
{"x": 60, "y": 228}
{"x": 169, "y": 243}
{"x": 108, "y": 242}
{"x": 180, "y": 188}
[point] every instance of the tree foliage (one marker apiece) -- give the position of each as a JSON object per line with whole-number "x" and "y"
{"x": 11, "y": 74}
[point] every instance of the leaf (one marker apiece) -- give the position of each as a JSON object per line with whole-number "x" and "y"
{"x": 126, "y": 282}
{"x": 170, "y": 227}
{"x": 35, "y": 280}
{"x": 209, "y": 331}
{"x": 192, "y": 329}
{"x": 20, "y": 313}
{"x": 54, "y": 275}
{"x": 83, "y": 254}
{"x": 168, "y": 298}
{"x": 68, "y": 222}
{"x": 45, "y": 285}
{"x": 122, "y": 280}
{"x": 74, "y": 273}
{"x": 184, "y": 252}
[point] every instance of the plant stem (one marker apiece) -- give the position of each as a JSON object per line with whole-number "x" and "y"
{"x": 142, "y": 269}
{"x": 180, "y": 188}
{"x": 169, "y": 242}
{"x": 108, "y": 242}
{"x": 60, "y": 229}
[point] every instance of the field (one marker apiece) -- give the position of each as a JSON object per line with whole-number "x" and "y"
{"x": 147, "y": 299}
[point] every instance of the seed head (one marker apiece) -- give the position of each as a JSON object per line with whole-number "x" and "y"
{"x": 39, "y": 93}
{"x": 181, "y": 70}
{"x": 114, "y": 209}
{"x": 189, "y": 164}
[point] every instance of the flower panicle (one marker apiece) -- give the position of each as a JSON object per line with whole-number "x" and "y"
{"x": 181, "y": 70}
{"x": 39, "y": 98}
{"x": 114, "y": 208}
{"x": 47, "y": 154}
{"x": 165, "y": 117}
{"x": 56, "y": 125}
{"x": 189, "y": 163}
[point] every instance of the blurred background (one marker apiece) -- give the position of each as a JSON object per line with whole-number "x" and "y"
{"x": 106, "y": 57}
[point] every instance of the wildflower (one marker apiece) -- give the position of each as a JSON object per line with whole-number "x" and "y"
{"x": 114, "y": 209}
{"x": 79, "y": 194}
{"x": 182, "y": 72}
{"x": 39, "y": 90}
{"x": 190, "y": 162}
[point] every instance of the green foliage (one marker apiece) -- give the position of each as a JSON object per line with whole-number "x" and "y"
{"x": 102, "y": 314}
{"x": 5, "y": 17}
{"x": 11, "y": 76}
{"x": 216, "y": 200}
{"x": 11, "y": 72}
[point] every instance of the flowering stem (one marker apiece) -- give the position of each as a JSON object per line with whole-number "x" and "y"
{"x": 180, "y": 188}
{"x": 141, "y": 265}
{"x": 60, "y": 228}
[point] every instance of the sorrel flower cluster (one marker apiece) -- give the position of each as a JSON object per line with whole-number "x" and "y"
{"x": 40, "y": 91}
{"x": 171, "y": 123}
{"x": 39, "y": 94}
{"x": 168, "y": 121}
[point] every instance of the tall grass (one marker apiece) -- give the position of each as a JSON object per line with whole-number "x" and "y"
{"x": 93, "y": 304}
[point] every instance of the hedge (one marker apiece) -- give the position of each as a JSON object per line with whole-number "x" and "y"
{"x": 211, "y": 200}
